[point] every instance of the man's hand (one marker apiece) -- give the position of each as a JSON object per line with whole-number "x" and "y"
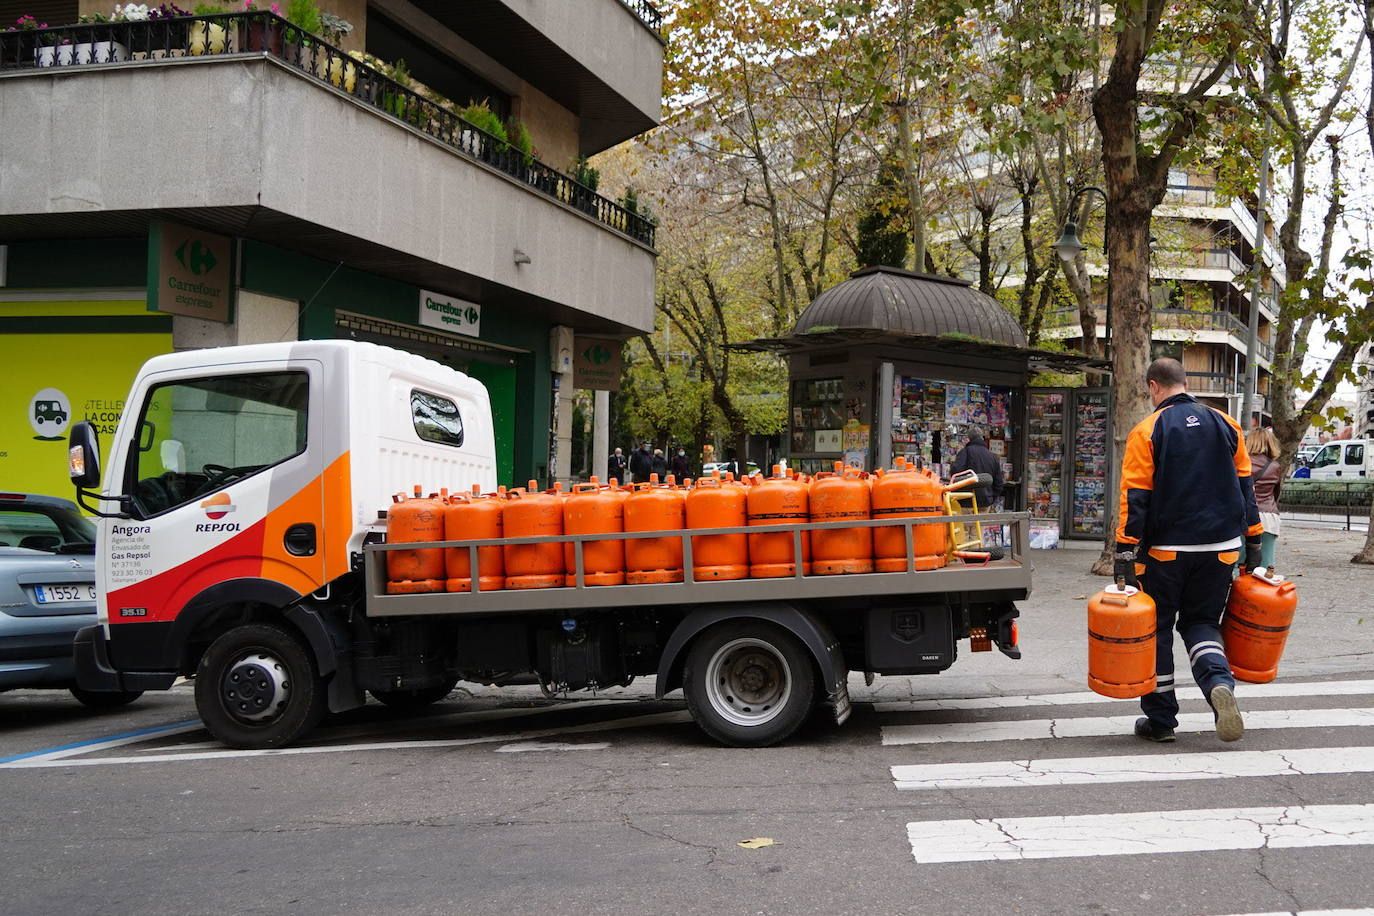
{"x": 1253, "y": 548}
{"x": 1123, "y": 567}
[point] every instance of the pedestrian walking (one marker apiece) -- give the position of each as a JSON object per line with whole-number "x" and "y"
{"x": 659, "y": 465}
{"x": 617, "y": 467}
{"x": 681, "y": 467}
{"x": 1267, "y": 473}
{"x": 641, "y": 463}
{"x": 977, "y": 457}
{"x": 1187, "y": 502}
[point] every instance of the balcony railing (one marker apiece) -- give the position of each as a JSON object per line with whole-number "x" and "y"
{"x": 647, "y": 13}
{"x": 1199, "y": 195}
{"x": 1213, "y": 383}
{"x": 1189, "y": 320}
{"x": 1206, "y": 258}
{"x": 258, "y": 33}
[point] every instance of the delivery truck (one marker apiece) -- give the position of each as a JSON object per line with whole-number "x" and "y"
{"x": 243, "y": 514}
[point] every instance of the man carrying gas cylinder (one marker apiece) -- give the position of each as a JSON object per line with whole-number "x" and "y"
{"x": 1187, "y": 504}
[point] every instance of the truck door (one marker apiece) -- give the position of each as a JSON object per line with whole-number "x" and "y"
{"x": 1354, "y": 460}
{"x": 1326, "y": 463}
{"x": 222, "y": 471}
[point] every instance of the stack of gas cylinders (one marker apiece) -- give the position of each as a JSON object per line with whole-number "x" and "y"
{"x": 784, "y": 499}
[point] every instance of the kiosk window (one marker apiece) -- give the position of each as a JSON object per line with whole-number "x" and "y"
{"x": 436, "y": 419}
{"x": 197, "y": 436}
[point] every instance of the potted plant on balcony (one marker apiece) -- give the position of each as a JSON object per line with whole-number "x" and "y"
{"x": 304, "y": 19}
{"x": 333, "y": 66}
{"x": 170, "y": 29}
{"x": 206, "y": 36}
{"x": 261, "y": 32}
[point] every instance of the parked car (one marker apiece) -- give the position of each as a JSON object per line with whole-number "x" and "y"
{"x": 750, "y": 468}
{"x": 47, "y": 593}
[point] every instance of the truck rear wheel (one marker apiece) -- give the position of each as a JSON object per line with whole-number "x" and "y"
{"x": 748, "y": 683}
{"x": 257, "y": 687}
{"x": 411, "y": 700}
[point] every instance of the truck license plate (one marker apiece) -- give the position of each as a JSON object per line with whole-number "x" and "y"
{"x": 64, "y": 594}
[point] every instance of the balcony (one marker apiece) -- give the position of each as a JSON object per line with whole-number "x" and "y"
{"x": 1063, "y": 324}
{"x": 1192, "y": 195}
{"x": 263, "y": 132}
{"x": 600, "y": 59}
{"x": 1214, "y": 384}
{"x": 1201, "y": 259}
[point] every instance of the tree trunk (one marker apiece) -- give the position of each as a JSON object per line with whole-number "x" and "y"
{"x": 913, "y": 186}
{"x": 1366, "y": 554}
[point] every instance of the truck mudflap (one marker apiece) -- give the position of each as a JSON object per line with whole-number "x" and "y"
{"x": 95, "y": 673}
{"x": 806, "y": 626}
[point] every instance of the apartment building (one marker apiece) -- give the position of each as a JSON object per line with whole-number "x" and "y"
{"x": 1202, "y": 259}
{"x": 226, "y": 179}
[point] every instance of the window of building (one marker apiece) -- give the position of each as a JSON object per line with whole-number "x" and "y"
{"x": 198, "y": 436}
{"x": 437, "y": 419}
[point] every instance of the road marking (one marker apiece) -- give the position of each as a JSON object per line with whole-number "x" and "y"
{"x": 527, "y": 746}
{"x": 1095, "y": 726}
{"x": 662, "y": 718}
{"x": 1363, "y": 911}
{"x": 1243, "y": 691}
{"x": 99, "y": 744}
{"x": 1140, "y": 833}
{"x": 1068, "y": 771}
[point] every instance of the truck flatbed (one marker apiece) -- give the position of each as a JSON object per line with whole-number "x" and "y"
{"x": 1010, "y": 576}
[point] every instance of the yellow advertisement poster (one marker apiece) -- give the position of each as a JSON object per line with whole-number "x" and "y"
{"x": 53, "y": 381}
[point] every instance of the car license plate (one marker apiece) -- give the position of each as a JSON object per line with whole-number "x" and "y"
{"x": 64, "y": 594}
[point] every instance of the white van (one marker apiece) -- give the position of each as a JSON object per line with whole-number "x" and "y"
{"x": 1344, "y": 459}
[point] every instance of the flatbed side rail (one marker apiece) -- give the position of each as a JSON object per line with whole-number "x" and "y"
{"x": 1013, "y": 572}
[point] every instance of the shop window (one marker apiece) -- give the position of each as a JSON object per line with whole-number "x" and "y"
{"x": 199, "y": 435}
{"x": 437, "y": 419}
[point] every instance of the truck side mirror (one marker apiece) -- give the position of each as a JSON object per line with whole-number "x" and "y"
{"x": 83, "y": 456}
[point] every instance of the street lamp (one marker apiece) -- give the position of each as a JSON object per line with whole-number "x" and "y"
{"x": 1070, "y": 246}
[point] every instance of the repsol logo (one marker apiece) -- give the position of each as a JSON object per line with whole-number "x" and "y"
{"x": 211, "y": 527}
{"x": 127, "y": 530}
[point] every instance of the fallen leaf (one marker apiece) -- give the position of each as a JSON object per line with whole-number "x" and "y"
{"x": 757, "y": 842}
{"x": 1076, "y": 597}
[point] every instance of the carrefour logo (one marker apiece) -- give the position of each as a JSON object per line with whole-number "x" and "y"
{"x": 597, "y": 355}
{"x": 196, "y": 257}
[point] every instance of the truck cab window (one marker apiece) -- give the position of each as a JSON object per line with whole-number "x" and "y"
{"x": 1328, "y": 455}
{"x": 200, "y": 435}
{"x": 1354, "y": 454}
{"x": 436, "y": 418}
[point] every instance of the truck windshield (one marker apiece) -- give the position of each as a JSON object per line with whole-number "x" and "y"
{"x": 199, "y": 435}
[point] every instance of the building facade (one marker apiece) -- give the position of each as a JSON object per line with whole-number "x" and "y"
{"x": 333, "y": 192}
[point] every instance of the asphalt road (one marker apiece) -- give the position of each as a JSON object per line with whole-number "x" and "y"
{"x": 1010, "y": 799}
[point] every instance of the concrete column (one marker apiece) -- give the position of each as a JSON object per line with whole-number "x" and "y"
{"x": 258, "y": 318}
{"x": 601, "y": 432}
{"x": 560, "y": 361}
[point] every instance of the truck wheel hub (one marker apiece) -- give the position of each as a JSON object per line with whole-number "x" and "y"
{"x": 748, "y": 682}
{"x": 255, "y": 688}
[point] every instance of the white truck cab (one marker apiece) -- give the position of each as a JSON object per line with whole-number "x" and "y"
{"x": 1343, "y": 459}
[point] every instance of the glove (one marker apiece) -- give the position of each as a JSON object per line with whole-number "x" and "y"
{"x": 1253, "y": 546}
{"x": 1123, "y": 567}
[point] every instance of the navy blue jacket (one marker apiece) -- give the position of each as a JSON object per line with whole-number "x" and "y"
{"x": 1185, "y": 479}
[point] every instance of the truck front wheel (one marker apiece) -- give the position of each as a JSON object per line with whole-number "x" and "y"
{"x": 748, "y": 683}
{"x": 257, "y": 687}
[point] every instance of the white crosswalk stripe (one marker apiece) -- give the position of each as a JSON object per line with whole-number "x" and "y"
{"x": 1096, "y": 726}
{"x": 1075, "y": 834}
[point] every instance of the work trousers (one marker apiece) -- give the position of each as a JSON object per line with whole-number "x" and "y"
{"x": 1189, "y": 591}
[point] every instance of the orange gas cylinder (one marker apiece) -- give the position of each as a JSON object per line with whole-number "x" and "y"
{"x": 415, "y": 521}
{"x": 1255, "y": 628}
{"x": 528, "y": 514}
{"x": 841, "y": 496}
{"x": 474, "y": 517}
{"x": 592, "y": 509}
{"x": 1121, "y": 642}
{"x": 777, "y": 500}
{"x": 654, "y": 507}
{"x": 905, "y": 492}
{"x": 716, "y": 503}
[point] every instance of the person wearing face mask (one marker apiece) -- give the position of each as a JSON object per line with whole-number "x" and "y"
{"x": 681, "y": 467}
{"x": 617, "y": 467}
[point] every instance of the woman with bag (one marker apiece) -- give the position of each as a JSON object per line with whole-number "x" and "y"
{"x": 1267, "y": 475}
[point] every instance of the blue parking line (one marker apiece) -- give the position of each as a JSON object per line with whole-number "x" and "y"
{"x": 136, "y": 733}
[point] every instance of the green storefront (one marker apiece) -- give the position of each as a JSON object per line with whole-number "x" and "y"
{"x": 80, "y": 303}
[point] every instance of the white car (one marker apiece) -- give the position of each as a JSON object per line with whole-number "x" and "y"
{"x": 1344, "y": 459}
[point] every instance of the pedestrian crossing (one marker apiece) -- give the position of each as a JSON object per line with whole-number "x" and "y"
{"x": 978, "y": 730}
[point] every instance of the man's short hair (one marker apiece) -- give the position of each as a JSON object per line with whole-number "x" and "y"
{"x": 1167, "y": 372}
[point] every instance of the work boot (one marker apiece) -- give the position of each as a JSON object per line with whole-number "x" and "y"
{"x": 1230, "y": 726}
{"x": 1150, "y": 731}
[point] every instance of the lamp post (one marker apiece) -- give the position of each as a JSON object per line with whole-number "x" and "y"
{"x": 1070, "y": 246}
